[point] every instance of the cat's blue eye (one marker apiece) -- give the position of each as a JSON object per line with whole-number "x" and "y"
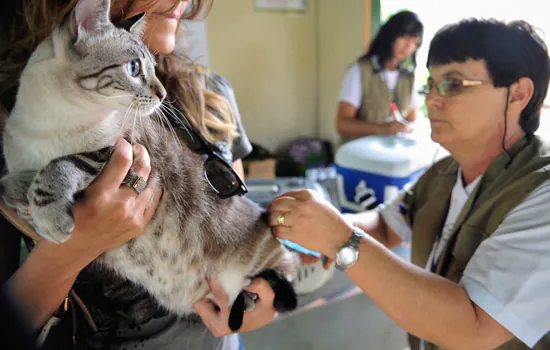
{"x": 134, "y": 68}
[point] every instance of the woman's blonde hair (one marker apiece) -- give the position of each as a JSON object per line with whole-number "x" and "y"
{"x": 27, "y": 22}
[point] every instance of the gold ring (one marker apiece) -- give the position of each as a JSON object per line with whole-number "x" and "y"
{"x": 138, "y": 183}
{"x": 281, "y": 219}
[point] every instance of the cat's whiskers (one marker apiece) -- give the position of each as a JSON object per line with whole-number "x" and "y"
{"x": 169, "y": 110}
{"x": 158, "y": 121}
{"x": 122, "y": 125}
{"x": 164, "y": 120}
{"x": 151, "y": 124}
{"x": 138, "y": 109}
{"x": 145, "y": 137}
{"x": 174, "y": 110}
{"x": 118, "y": 96}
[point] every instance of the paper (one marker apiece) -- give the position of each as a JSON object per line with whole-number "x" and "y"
{"x": 281, "y": 5}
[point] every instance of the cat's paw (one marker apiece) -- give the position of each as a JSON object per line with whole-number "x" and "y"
{"x": 286, "y": 298}
{"x": 14, "y": 187}
{"x": 13, "y": 191}
{"x": 52, "y": 221}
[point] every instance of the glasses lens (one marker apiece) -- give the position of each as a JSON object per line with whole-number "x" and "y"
{"x": 449, "y": 87}
{"x": 221, "y": 177}
{"x": 425, "y": 90}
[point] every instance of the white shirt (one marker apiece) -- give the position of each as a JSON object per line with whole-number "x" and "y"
{"x": 352, "y": 87}
{"x": 509, "y": 274}
{"x": 459, "y": 196}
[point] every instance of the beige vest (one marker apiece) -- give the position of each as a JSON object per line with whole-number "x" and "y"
{"x": 375, "y": 104}
{"x": 500, "y": 190}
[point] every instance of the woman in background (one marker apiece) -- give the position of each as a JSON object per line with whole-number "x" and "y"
{"x": 377, "y": 95}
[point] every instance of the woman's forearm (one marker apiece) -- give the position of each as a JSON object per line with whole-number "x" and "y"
{"x": 41, "y": 284}
{"x": 373, "y": 223}
{"x": 355, "y": 127}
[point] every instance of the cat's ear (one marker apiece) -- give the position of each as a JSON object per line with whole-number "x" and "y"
{"x": 90, "y": 16}
{"x": 138, "y": 28}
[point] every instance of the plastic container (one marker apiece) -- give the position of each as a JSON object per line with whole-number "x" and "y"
{"x": 373, "y": 169}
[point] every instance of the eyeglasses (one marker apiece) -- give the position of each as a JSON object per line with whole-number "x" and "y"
{"x": 219, "y": 174}
{"x": 451, "y": 86}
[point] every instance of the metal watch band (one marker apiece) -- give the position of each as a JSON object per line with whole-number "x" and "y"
{"x": 353, "y": 244}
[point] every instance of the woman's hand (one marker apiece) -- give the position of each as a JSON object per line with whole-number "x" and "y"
{"x": 396, "y": 127}
{"x": 109, "y": 215}
{"x": 112, "y": 213}
{"x": 307, "y": 259}
{"x": 217, "y": 321}
{"x": 303, "y": 217}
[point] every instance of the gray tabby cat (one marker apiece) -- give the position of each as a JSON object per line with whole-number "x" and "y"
{"x": 88, "y": 84}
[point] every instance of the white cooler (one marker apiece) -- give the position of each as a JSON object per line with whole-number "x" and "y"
{"x": 373, "y": 169}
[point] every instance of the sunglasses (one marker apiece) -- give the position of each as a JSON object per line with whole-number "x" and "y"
{"x": 451, "y": 86}
{"x": 219, "y": 174}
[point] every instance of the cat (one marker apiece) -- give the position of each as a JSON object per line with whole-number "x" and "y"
{"x": 88, "y": 84}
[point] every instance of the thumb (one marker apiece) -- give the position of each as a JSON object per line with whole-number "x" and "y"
{"x": 257, "y": 285}
{"x": 262, "y": 288}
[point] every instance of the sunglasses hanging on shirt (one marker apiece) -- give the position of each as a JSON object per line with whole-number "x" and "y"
{"x": 219, "y": 174}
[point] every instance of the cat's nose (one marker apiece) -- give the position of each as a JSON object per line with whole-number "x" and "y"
{"x": 161, "y": 95}
{"x": 160, "y": 92}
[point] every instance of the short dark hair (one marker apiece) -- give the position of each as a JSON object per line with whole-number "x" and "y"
{"x": 510, "y": 51}
{"x": 400, "y": 24}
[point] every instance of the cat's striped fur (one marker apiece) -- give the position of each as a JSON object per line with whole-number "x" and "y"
{"x": 73, "y": 99}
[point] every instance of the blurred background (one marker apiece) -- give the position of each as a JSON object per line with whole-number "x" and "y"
{"x": 287, "y": 66}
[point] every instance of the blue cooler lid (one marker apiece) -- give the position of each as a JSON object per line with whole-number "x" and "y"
{"x": 387, "y": 155}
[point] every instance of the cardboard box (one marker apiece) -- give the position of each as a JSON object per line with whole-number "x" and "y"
{"x": 260, "y": 169}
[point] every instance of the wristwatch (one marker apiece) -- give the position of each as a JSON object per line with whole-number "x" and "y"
{"x": 348, "y": 253}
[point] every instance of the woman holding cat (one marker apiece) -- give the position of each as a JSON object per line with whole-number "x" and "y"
{"x": 111, "y": 213}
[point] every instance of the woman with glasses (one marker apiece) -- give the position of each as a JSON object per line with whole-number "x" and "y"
{"x": 377, "y": 95}
{"x": 119, "y": 315}
{"x": 477, "y": 221}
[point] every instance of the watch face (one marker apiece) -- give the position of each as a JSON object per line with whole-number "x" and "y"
{"x": 347, "y": 256}
{"x": 349, "y": 253}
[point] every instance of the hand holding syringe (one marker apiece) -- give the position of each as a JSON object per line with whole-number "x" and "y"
{"x": 400, "y": 119}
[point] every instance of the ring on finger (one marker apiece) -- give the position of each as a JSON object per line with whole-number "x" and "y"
{"x": 281, "y": 219}
{"x": 138, "y": 183}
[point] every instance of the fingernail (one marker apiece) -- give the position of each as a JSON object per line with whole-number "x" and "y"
{"x": 247, "y": 282}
